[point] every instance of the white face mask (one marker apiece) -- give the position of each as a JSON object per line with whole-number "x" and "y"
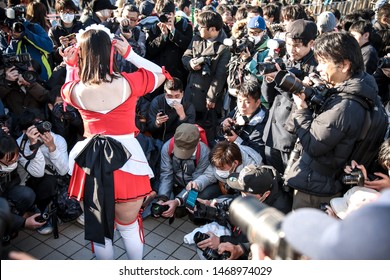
{"x": 67, "y": 18}
{"x": 257, "y": 39}
{"x": 222, "y": 173}
{"x": 9, "y": 168}
{"x": 170, "y": 101}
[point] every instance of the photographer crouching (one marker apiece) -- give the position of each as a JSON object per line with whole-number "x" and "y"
{"x": 329, "y": 136}
{"x": 259, "y": 182}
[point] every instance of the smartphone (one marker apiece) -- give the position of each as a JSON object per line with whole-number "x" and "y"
{"x": 71, "y": 36}
{"x": 191, "y": 199}
{"x": 161, "y": 112}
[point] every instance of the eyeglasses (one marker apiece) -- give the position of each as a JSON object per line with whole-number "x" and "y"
{"x": 132, "y": 19}
{"x": 67, "y": 12}
{"x": 200, "y": 27}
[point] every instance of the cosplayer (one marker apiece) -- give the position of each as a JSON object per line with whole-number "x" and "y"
{"x": 110, "y": 173}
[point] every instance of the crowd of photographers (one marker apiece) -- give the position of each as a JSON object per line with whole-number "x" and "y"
{"x": 270, "y": 109}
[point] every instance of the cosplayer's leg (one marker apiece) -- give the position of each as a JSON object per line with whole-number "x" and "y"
{"x": 131, "y": 236}
{"x": 104, "y": 251}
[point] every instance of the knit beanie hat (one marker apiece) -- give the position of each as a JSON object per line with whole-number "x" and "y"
{"x": 326, "y": 22}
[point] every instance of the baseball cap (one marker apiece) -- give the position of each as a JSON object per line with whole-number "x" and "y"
{"x": 252, "y": 179}
{"x": 353, "y": 199}
{"x": 326, "y": 22}
{"x": 257, "y": 22}
{"x": 146, "y": 8}
{"x": 99, "y": 5}
{"x": 186, "y": 139}
{"x": 301, "y": 29}
{"x": 363, "y": 234}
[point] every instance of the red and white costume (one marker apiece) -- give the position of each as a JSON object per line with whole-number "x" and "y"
{"x": 132, "y": 181}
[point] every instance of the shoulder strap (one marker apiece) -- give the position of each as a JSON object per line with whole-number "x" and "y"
{"x": 367, "y": 120}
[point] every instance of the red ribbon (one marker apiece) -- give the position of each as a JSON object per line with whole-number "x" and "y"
{"x": 166, "y": 74}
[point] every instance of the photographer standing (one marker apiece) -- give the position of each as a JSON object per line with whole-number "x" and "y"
{"x": 206, "y": 58}
{"x": 328, "y": 138}
{"x": 28, "y": 37}
{"x": 167, "y": 42}
{"x": 278, "y": 136}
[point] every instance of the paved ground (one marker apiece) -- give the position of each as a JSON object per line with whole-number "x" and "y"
{"x": 162, "y": 242}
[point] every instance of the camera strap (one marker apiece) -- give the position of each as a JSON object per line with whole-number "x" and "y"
{"x": 33, "y": 148}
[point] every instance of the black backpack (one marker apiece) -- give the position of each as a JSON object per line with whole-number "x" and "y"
{"x": 372, "y": 134}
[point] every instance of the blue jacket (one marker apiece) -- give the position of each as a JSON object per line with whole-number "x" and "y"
{"x": 37, "y": 43}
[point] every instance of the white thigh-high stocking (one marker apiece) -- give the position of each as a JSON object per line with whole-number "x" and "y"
{"x": 131, "y": 236}
{"x": 104, "y": 252}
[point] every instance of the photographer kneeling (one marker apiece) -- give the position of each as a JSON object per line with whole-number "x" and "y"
{"x": 261, "y": 182}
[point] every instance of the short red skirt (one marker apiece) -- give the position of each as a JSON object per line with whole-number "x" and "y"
{"x": 127, "y": 186}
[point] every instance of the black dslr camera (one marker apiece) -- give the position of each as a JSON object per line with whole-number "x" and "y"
{"x": 236, "y": 126}
{"x": 384, "y": 62}
{"x": 21, "y": 62}
{"x": 70, "y": 113}
{"x": 355, "y": 178}
{"x": 15, "y": 16}
{"x": 158, "y": 209}
{"x": 237, "y": 46}
{"x": 205, "y": 61}
{"x": 208, "y": 253}
{"x": 315, "y": 95}
{"x": 43, "y": 126}
{"x": 219, "y": 213}
{"x": 269, "y": 67}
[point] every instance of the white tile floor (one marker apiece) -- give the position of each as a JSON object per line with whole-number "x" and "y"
{"x": 162, "y": 242}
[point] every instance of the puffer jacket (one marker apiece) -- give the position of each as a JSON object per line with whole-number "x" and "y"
{"x": 328, "y": 139}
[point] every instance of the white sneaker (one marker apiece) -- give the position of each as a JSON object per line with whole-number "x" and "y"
{"x": 45, "y": 229}
{"x": 80, "y": 219}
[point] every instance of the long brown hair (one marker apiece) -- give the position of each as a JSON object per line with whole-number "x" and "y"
{"x": 94, "y": 58}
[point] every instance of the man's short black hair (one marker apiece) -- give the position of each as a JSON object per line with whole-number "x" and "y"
{"x": 250, "y": 88}
{"x": 210, "y": 19}
{"x": 174, "y": 84}
{"x": 361, "y": 26}
{"x": 337, "y": 47}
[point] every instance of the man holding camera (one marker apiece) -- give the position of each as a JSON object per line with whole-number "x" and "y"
{"x": 261, "y": 182}
{"x": 278, "y": 136}
{"x": 166, "y": 42}
{"x": 206, "y": 58}
{"x": 329, "y": 136}
{"x": 245, "y": 124}
{"x": 180, "y": 164}
{"x": 19, "y": 94}
{"x": 44, "y": 158}
{"x": 28, "y": 37}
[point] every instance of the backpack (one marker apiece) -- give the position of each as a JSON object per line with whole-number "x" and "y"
{"x": 68, "y": 209}
{"x": 372, "y": 134}
{"x": 203, "y": 139}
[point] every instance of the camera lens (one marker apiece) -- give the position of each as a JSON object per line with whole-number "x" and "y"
{"x": 200, "y": 236}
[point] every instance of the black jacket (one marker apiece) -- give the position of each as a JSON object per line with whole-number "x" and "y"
{"x": 167, "y": 130}
{"x": 328, "y": 139}
{"x": 276, "y": 134}
{"x": 168, "y": 51}
{"x": 56, "y": 32}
